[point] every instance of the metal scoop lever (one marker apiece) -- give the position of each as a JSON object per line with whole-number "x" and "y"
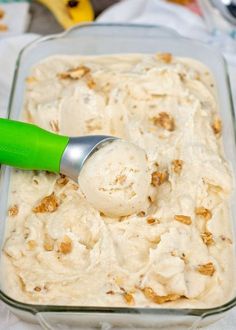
{"x": 30, "y": 147}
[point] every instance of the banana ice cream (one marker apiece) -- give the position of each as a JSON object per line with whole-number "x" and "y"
{"x": 162, "y": 241}
{"x": 115, "y": 180}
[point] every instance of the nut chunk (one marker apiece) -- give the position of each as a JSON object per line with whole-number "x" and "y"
{"x": 47, "y": 204}
{"x": 66, "y": 245}
{"x": 184, "y": 219}
{"x": 76, "y": 73}
{"x": 151, "y": 295}
{"x": 13, "y": 211}
{"x": 159, "y": 178}
{"x": 206, "y": 269}
{"x": 165, "y": 121}
{"x": 203, "y": 213}
{"x": 129, "y": 299}
{"x": 164, "y": 57}
{"x": 217, "y": 126}
{"x": 177, "y": 165}
{"x": 207, "y": 238}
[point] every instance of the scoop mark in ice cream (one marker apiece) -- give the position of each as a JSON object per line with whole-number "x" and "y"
{"x": 116, "y": 180}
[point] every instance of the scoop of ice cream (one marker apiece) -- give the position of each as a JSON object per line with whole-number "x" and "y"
{"x": 116, "y": 180}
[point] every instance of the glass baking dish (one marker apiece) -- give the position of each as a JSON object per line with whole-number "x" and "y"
{"x": 90, "y": 39}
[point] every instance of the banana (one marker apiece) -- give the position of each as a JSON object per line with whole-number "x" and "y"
{"x": 70, "y": 12}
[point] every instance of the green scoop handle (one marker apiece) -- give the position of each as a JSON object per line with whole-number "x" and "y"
{"x": 30, "y": 147}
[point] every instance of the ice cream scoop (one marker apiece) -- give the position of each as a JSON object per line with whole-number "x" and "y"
{"x": 116, "y": 179}
{"x": 27, "y": 146}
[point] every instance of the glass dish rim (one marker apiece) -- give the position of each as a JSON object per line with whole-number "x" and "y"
{"x": 41, "y": 308}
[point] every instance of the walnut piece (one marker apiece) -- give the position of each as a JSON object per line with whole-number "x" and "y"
{"x": 32, "y": 244}
{"x": 164, "y": 57}
{"x": 177, "y": 165}
{"x": 159, "y": 178}
{"x": 3, "y": 27}
{"x": 207, "y": 238}
{"x": 91, "y": 83}
{"x": 54, "y": 124}
{"x": 76, "y": 73}
{"x": 62, "y": 180}
{"x": 110, "y": 292}
{"x": 183, "y": 218}
{"x": 37, "y": 289}
{"x": 214, "y": 188}
{"x": 13, "y": 210}
{"x": 47, "y": 204}
{"x": 48, "y": 243}
{"x": 2, "y": 13}
{"x": 217, "y": 126}
{"x": 152, "y": 221}
{"x": 206, "y": 269}
{"x": 165, "y": 121}
{"x": 203, "y": 212}
{"x": 129, "y": 299}
{"x": 66, "y": 245}
{"x": 121, "y": 179}
{"x": 151, "y": 295}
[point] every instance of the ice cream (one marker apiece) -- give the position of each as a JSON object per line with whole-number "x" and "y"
{"x": 115, "y": 180}
{"x": 175, "y": 251}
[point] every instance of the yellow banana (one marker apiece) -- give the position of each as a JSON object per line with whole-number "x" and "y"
{"x": 70, "y": 12}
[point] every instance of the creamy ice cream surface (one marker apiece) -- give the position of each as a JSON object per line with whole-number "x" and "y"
{"x": 115, "y": 180}
{"x": 164, "y": 239}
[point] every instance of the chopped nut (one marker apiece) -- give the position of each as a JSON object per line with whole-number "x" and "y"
{"x": 164, "y": 57}
{"x": 214, "y": 188}
{"x": 54, "y": 124}
{"x": 151, "y": 295}
{"x": 159, "y": 178}
{"x": 203, "y": 213}
{"x": 121, "y": 179}
{"x": 206, "y": 269}
{"x": 217, "y": 126}
{"x": 32, "y": 244}
{"x": 183, "y": 218}
{"x": 76, "y": 73}
{"x": 91, "y": 83}
{"x": 3, "y": 27}
{"x": 141, "y": 214}
{"x": 37, "y": 289}
{"x": 62, "y": 180}
{"x": 47, "y": 204}
{"x": 184, "y": 258}
{"x": 110, "y": 292}
{"x": 129, "y": 299}
{"x": 13, "y": 211}
{"x": 165, "y": 121}
{"x": 152, "y": 221}
{"x": 66, "y": 245}
{"x": 177, "y": 165}
{"x": 2, "y": 13}
{"x": 48, "y": 243}
{"x": 207, "y": 238}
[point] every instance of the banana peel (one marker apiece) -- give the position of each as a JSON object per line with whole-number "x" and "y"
{"x": 70, "y": 13}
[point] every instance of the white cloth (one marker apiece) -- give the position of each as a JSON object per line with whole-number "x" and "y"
{"x": 136, "y": 11}
{"x": 16, "y": 18}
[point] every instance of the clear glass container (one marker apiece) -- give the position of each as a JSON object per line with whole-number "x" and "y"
{"x": 91, "y": 39}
